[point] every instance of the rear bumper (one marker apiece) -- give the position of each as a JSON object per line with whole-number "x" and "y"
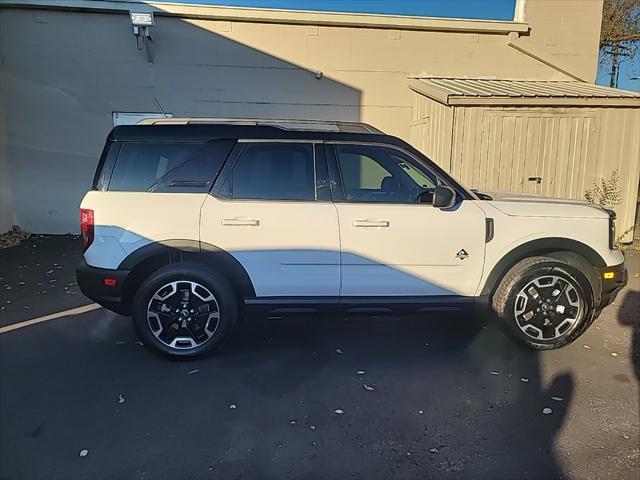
{"x": 611, "y": 286}
{"x": 91, "y": 281}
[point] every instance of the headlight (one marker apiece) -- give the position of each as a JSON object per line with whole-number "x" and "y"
{"x": 612, "y": 229}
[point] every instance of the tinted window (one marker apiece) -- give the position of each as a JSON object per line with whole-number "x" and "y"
{"x": 168, "y": 167}
{"x": 274, "y": 171}
{"x": 105, "y": 166}
{"x": 381, "y": 174}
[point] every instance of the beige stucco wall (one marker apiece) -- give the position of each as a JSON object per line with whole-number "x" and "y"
{"x": 568, "y": 31}
{"x": 63, "y": 73}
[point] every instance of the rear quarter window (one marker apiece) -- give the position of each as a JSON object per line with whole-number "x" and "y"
{"x": 177, "y": 167}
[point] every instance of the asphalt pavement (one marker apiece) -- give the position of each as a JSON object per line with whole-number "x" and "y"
{"x": 331, "y": 398}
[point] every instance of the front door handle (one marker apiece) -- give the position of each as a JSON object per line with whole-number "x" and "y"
{"x": 370, "y": 223}
{"x": 241, "y": 222}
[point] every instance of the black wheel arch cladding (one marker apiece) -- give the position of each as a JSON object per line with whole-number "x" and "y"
{"x": 541, "y": 247}
{"x": 153, "y": 256}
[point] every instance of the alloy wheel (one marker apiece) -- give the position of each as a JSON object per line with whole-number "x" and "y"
{"x": 548, "y": 307}
{"x": 183, "y": 314}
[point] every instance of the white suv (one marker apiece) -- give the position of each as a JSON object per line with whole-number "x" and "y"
{"x": 193, "y": 224}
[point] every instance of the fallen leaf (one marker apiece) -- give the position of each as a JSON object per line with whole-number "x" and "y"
{"x": 547, "y": 411}
{"x": 84, "y": 452}
{"x": 369, "y": 388}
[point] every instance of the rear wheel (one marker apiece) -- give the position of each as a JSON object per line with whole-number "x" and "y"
{"x": 544, "y": 302}
{"x": 184, "y": 310}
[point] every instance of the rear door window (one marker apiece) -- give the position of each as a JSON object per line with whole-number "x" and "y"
{"x": 168, "y": 167}
{"x": 274, "y": 171}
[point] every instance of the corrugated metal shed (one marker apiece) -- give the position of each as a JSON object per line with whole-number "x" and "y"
{"x": 551, "y": 138}
{"x": 485, "y": 91}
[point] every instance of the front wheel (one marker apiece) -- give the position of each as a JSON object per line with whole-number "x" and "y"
{"x": 544, "y": 303}
{"x": 184, "y": 310}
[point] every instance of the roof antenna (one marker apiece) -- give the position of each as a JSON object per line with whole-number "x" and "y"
{"x": 160, "y": 107}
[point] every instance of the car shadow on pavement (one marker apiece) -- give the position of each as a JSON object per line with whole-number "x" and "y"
{"x": 438, "y": 397}
{"x": 451, "y": 394}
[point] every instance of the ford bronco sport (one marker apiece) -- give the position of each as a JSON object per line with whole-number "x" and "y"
{"x": 192, "y": 224}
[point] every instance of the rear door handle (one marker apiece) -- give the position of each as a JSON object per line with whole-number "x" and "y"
{"x": 241, "y": 222}
{"x": 370, "y": 223}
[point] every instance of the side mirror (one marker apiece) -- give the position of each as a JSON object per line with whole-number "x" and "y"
{"x": 444, "y": 197}
{"x": 426, "y": 196}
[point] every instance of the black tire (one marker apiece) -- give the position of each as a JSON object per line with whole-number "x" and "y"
{"x": 515, "y": 287}
{"x": 181, "y": 277}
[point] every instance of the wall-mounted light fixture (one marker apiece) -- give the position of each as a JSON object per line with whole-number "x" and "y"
{"x": 141, "y": 22}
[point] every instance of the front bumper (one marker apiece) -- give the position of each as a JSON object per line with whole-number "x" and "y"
{"x": 91, "y": 281}
{"x": 612, "y": 279}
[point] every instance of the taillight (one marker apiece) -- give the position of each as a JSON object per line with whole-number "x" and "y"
{"x": 86, "y": 227}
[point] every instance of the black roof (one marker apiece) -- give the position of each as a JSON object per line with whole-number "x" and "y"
{"x": 207, "y": 132}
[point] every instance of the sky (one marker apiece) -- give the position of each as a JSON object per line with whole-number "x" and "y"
{"x": 491, "y": 9}
{"x": 483, "y": 9}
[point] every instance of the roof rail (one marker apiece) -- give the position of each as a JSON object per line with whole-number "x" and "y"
{"x": 283, "y": 123}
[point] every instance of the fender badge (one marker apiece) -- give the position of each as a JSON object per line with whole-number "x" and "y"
{"x": 462, "y": 254}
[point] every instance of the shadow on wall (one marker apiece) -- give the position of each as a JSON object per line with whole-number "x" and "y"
{"x": 57, "y": 116}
